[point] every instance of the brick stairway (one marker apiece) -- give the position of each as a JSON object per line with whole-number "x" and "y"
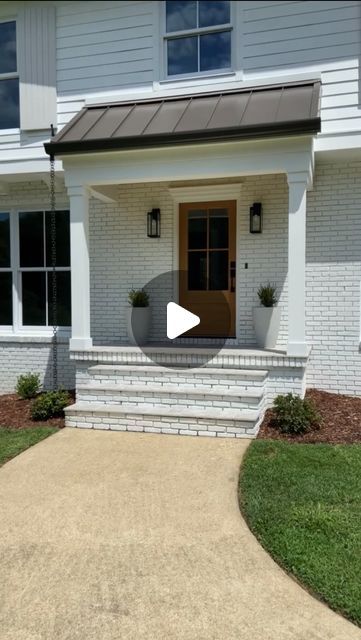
{"x": 205, "y": 401}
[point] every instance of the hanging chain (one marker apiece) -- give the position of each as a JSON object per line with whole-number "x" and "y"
{"x": 54, "y": 295}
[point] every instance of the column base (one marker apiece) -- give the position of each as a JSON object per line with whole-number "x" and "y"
{"x": 78, "y": 344}
{"x": 298, "y": 349}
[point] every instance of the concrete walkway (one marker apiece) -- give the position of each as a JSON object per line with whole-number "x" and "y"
{"x": 117, "y": 536}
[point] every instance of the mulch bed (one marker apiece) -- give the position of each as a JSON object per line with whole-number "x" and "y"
{"x": 340, "y": 420}
{"x": 15, "y": 414}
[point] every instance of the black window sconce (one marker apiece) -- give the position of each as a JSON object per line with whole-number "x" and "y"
{"x": 153, "y": 223}
{"x": 255, "y": 218}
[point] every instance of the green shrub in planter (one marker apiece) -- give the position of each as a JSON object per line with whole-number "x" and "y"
{"x": 50, "y": 404}
{"x": 138, "y": 298}
{"x": 294, "y": 415}
{"x": 267, "y": 295}
{"x": 28, "y": 385}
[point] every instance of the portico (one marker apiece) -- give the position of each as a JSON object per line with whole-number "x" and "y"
{"x": 110, "y": 191}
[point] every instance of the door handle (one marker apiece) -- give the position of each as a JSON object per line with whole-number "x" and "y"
{"x": 232, "y": 275}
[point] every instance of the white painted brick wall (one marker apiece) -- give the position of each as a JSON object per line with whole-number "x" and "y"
{"x": 18, "y": 357}
{"x": 265, "y": 253}
{"x": 122, "y": 257}
{"x": 334, "y": 278}
{"x": 24, "y": 357}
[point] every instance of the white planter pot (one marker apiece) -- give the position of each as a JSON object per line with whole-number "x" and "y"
{"x": 267, "y": 322}
{"x": 138, "y": 324}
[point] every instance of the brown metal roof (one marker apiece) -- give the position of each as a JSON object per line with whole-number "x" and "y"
{"x": 286, "y": 109}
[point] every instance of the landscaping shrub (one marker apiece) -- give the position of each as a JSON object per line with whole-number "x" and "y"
{"x": 49, "y": 405}
{"x": 28, "y": 385}
{"x": 267, "y": 295}
{"x": 295, "y": 415}
{"x": 138, "y": 298}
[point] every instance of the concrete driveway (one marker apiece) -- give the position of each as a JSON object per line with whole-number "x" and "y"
{"x": 117, "y": 536}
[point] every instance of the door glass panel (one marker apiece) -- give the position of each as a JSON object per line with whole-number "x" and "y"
{"x": 218, "y": 229}
{"x": 4, "y": 240}
{"x": 218, "y": 270}
{"x": 6, "y": 306}
{"x": 34, "y": 299}
{"x": 197, "y": 230}
{"x": 31, "y": 239}
{"x": 197, "y": 271}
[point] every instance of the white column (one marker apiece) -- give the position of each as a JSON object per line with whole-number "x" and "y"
{"x": 80, "y": 273}
{"x": 297, "y": 186}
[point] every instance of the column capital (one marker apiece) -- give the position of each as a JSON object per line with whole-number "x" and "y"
{"x": 80, "y": 190}
{"x": 299, "y": 177}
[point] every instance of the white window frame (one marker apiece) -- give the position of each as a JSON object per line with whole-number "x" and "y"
{"x": 172, "y": 35}
{"x": 12, "y": 75}
{"x": 17, "y": 328}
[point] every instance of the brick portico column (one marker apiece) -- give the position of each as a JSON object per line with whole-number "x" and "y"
{"x": 80, "y": 272}
{"x": 297, "y": 188}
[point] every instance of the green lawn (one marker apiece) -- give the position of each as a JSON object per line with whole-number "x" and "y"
{"x": 13, "y": 442}
{"x": 303, "y": 502}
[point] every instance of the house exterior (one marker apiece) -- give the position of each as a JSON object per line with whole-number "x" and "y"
{"x": 202, "y": 112}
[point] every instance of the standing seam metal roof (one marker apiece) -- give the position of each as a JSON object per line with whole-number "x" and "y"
{"x": 285, "y": 109}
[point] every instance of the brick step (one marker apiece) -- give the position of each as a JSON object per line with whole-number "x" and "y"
{"x": 157, "y": 394}
{"x": 208, "y": 376}
{"x": 208, "y": 421}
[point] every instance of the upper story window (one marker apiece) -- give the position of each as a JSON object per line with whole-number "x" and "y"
{"x": 198, "y": 36}
{"x": 9, "y": 79}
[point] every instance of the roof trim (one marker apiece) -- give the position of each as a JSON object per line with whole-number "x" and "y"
{"x": 301, "y": 118}
{"x": 301, "y": 127}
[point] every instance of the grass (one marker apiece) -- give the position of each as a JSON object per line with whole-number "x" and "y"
{"x": 303, "y": 502}
{"x": 14, "y": 441}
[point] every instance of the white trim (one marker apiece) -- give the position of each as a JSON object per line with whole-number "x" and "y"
{"x": 96, "y": 193}
{"x": 164, "y": 36}
{"x": 190, "y": 162}
{"x": 160, "y": 89}
{"x": 13, "y": 75}
{"x": 229, "y": 191}
{"x": 17, "y": 328}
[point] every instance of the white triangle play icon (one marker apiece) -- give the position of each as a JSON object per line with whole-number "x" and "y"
{"x": 179, "y": 320}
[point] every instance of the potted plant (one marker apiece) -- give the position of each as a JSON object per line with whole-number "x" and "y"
{"x": 267, "y": 317}
{"x": 138, "y": 316}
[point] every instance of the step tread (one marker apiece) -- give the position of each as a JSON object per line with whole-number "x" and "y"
{"x": 239, "y": 415}
{"x": 256, "y": 392}
{"x": 239, "y": 373}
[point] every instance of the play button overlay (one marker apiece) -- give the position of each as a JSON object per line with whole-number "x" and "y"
{"x": 176, "y": 335}
{"x": 179, "y": 320}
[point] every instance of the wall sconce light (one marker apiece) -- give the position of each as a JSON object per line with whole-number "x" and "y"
{"x": 153, "y": 223}
{"x": 255, "y": 218}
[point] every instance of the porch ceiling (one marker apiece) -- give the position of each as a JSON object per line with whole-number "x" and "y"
{"x": 269, "y": 111}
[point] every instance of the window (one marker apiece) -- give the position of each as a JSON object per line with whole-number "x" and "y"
{"x": 9, "y": 80}
{"x": 198, "y": 36}
{"x": 26, "y": 274}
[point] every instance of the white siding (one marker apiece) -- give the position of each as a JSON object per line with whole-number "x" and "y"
{"x": 37, "y": 67}
{"x": 297, "y": 37}
{"x": 105, "y": 47}
{"x": 113, "y": 47}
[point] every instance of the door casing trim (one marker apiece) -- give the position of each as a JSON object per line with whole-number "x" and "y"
{"x": 205, "y": 193}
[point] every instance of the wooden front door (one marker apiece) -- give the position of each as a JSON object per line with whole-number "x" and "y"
{"x": 207, "y": 262}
